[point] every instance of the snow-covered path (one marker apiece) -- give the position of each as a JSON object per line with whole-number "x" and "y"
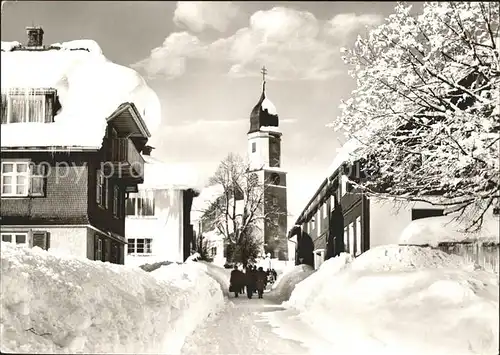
{"x": 244, "y": 327}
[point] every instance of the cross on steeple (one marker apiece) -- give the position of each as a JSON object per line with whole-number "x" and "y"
{"x": 264, "y": 72}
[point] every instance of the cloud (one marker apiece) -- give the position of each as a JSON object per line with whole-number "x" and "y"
{"x": 292, "y": 44}
{"x": 341, "y": 25}
{"x": 198, "y": 15}
{"x": 169, "y": 60}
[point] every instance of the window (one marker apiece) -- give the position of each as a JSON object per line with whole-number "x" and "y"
{"x": 16, "y": 238}
{"x": 22, "y": 179}
{"x": 318, "y": 218}
{"x": 332, "y": 203}
{"x": 359, "y": 250}
{"x": 325, "y": 208}
{"x": 417, "y": 213}
{"x": 102, "y": 186}
{"x": 254, "y": 147}
{"x": 23, "y": 106}
{"x": 346, "y": 245}
{"x": 343, "y": 185}
{"x": 139, "y": 246}
{"x": 352, "y": 238}
{"x": 116, "y": 201}
{"x": 141, "y": 204}
{"x": 41, "y": 240}
{"x": 319, "y": 258}
{"x": 275, "y": 201}
{"x": 98, "y": 252}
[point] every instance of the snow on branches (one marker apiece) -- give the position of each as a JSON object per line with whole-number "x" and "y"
{"x": 427, "y": 102}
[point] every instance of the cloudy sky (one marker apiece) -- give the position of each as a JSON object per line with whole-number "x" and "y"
{"x": 203, "y": 59}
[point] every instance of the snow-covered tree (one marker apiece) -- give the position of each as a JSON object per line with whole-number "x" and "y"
{"x": 426, "y": 108}
{"x": 240, "y": 210}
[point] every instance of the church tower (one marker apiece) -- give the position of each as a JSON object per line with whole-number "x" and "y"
{"x": 264, "y": 154}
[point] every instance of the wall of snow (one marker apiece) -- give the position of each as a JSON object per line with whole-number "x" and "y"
{"x": 62, "y": 304}
{"x": 89, "y": 86}
{"x": 402, "y": 300}
{"x": 285, "y": 284}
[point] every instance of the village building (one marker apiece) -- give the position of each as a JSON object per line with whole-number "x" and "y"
{"x": 158, "y": 217}
{"x": 73, "y": 127}
{"x": 338, "y": 207}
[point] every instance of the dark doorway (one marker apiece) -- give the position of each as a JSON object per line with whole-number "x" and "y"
{"x": 418, "y": 213}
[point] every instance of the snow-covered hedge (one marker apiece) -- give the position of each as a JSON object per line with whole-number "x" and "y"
{"x": 402, "y": 300}
{"x": 59, "y": 304}
{"x": 284, "y": 285}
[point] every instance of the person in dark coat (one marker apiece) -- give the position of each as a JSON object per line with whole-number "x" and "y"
{"x": 236, "y": 281}
{"x": 261, "y": 281}
{"x": 250, "y": 280}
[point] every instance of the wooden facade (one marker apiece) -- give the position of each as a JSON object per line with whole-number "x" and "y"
{"x": 315, "y": 227}
{"x": 78, "y": 205}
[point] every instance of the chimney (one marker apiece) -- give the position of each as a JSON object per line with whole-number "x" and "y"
{"x": 35, "y": 36}
{"x": 147, "y": 150}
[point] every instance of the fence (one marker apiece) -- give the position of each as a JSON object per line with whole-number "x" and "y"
{"x": 485, "y": 255}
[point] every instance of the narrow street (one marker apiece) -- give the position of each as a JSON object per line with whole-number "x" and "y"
{"x": 251, "y": 326}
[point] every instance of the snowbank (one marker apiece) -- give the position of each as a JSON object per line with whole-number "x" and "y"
{"x": 402, "y": 300}
{"x": 434, "y": 230}
{"x": 89, "y": 87}
{"x": 219, "y": 274}
{"x": 284, "y": 285}
{"x": 57, "y": 304}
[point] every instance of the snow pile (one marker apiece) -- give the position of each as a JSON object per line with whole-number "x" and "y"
{"x": 89, "y": 87}
{"x": 161, "y": 175}
{"x": 434, "y": 230}
{"x": 402, "y": 300}
{"x": 219, "y": 274}
{"x": 57, "y": 304}
{"x": 268, "y": 106}
{"x": 9, "y": 46}
{"x": 284, "y": 285}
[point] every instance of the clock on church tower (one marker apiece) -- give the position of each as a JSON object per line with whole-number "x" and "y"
{"x": 264, "y": 153}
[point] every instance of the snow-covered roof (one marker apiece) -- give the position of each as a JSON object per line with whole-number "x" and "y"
{"x": 206, "y": 197}
{"x": 268, "y": 106}
{"x": 161, "y": 175}
{"x": 445, "y": 229}
{"x": 343, "y": 155}
{"x": 271, "y": 129}
{"x": 89, "y": 87}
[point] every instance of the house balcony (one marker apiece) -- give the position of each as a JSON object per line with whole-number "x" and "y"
{"x": 124, "y": 161}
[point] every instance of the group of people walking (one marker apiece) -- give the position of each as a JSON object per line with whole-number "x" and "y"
{"x": 253, "y": 280}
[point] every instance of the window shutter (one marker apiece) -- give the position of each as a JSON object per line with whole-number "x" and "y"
{"x": 4, "y": 108}
{"x": 98, "y": 188}
{"x": 49, "y": 108}
{"x": 37, "y": 176}
{"x": 106, "y": 193}
{"x": 41, "y": 240}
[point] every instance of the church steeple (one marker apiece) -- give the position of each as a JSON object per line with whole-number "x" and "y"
{"x": 264, "y": 113}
